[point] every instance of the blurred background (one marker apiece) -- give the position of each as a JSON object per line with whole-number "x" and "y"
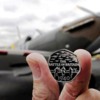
{"x": 22, "y": 18}
{"x": 44, "y": 26}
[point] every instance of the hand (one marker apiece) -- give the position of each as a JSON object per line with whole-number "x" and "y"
{"x": 45, "y": 87}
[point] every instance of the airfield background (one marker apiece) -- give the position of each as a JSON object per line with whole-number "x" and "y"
{"x": 44, "y": 26}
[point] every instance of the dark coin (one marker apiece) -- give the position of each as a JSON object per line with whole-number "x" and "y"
{"x": 64, "y": 65}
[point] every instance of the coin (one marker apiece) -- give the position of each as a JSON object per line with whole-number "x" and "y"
{"x": 64, "y": 65}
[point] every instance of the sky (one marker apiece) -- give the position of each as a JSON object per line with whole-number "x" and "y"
{"x": 19, "y": 18}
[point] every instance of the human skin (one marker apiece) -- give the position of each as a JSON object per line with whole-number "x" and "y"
{"x": 45, "y": 87}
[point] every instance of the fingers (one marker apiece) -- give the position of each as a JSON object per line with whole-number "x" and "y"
{"x": 45, "y": 86}
{"x": 90, "y": 94}
{"x": 72, "y": 89}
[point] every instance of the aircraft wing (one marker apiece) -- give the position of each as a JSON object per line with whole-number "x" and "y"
{"x": 12, "y": 58}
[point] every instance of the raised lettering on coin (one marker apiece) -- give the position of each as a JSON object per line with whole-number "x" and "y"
{"x": 64, "y": 65}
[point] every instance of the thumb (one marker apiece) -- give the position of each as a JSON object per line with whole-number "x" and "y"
{"x": 90, "y": 94}
{"x": 80, "y": 84}
{"x": 45, "y": 86}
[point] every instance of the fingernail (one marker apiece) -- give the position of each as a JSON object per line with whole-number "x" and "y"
{"x": 35, "y": 69}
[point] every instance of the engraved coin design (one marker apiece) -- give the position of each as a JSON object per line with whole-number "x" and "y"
{"x": 64, "y": 65}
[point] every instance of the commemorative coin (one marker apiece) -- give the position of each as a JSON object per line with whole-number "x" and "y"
{"x": 64, "y": 65}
